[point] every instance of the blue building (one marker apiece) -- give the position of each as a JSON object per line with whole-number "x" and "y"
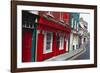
{"x": 74, "y": 37}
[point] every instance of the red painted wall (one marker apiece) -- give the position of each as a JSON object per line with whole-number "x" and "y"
{"x": 40, "y": 47}
{"x": 40, "y": 44}
{"x": 55, "y": 50}
{"x": 66, "y": 17}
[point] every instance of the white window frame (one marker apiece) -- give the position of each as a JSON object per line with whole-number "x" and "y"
{"x": 44, "y": 48}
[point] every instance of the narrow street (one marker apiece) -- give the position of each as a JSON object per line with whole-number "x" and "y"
{"x": 86, "y": 54}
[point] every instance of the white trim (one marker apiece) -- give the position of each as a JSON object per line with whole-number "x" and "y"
{"x": 67, "y": 45}
{"x": 44, "y": 48}
{"x": 34, "y": 12}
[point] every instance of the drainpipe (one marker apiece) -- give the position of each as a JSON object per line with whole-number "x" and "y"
{"x": 33, "y": 50}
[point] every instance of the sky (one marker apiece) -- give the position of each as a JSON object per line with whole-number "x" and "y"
{"x": 86, "y": 17}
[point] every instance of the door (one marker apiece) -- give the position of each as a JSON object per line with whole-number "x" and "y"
{"x": 26, "y": 44}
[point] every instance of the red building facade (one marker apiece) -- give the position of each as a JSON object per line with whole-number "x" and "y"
{"x": 53, "y": 33}
{"x": 46, "y": 36}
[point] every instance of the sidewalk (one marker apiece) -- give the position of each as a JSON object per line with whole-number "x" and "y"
{"x": 69, "y": 55}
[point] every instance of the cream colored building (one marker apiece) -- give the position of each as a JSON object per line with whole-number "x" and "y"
{"x": 74, "y": 37}
{"x": 84, "y": 34}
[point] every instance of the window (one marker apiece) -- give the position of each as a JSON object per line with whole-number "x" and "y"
{"x": 61, "y": 17}
{"x": 72, "y": 22}
{"x": 60, "y": 42}
{"x": 73, "y": 47}
{"x": 75, "y": 25}
{"x": 48, "y": 38}
{"x": 77, "y": 46}
{"x": 85, "y": 26}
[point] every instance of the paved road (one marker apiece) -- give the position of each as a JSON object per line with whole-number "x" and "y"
{"x": 86, "y": 54}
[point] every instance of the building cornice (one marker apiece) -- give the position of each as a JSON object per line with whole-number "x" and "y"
{"x": 54, "y": 20}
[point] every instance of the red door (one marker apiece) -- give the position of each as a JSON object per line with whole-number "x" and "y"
{"x": 26, "y": 45}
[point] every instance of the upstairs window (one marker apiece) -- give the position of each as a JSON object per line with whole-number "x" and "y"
{"x": 58, "y": 41}
{"x": 72, "y": 22}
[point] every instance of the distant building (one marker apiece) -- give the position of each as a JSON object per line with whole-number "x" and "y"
{"x": 74, "y": 36}
{"x": 84, "y": 34}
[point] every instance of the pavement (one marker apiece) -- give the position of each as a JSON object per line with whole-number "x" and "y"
{"x": 71, "y": 55}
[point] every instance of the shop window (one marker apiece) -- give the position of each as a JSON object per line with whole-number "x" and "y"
{"x": 60, "y": 42}
{"x": 48, "y": 40}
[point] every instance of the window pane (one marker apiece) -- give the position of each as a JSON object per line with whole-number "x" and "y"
{"x": 48, "y": 40}
{"x": 58, "y": 41}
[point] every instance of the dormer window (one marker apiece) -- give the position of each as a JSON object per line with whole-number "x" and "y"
{"x": 61, "y": 17}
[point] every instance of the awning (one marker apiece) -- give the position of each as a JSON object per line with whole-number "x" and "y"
{"x": 45, "y": 24}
